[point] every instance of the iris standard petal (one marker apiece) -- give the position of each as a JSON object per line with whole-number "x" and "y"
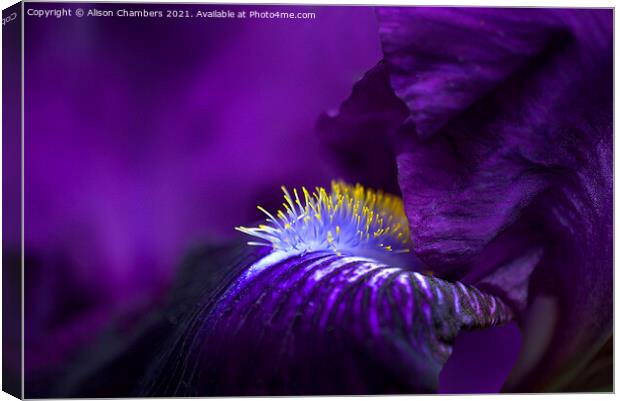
{"x": 528, "y": 165}
{"x": 443, "y": 59}
{"x": 506, "y": 152}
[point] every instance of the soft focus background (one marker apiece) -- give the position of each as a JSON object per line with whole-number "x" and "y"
{"x": 147, "y": 136}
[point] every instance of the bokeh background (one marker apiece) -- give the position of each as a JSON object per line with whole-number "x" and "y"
{"x": 147, "y": 136}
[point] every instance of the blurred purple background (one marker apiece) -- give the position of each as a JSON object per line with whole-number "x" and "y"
{"x": 147, "y": 136}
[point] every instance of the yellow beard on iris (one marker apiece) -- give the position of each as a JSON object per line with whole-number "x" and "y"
{"x": 348, "y": 219}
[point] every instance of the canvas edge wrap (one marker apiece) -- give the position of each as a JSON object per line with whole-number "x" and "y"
{"x": 12, "y": 201}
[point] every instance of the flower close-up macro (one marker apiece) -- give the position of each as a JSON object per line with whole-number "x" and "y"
{"x": 340, "y": 200}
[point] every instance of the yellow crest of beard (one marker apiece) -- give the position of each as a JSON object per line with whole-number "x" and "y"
{"x": 349, "y": 218}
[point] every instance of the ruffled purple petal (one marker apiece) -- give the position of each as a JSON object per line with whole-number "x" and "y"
{"x": 319, "y": 323}
{"x": 442, "y": 60}
{"x": 506, "y": 152}
{"x": 528, "y": 165}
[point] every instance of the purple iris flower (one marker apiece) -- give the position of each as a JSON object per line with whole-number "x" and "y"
{"x": 495, "y": 125}
{"x": 481, "y": 140}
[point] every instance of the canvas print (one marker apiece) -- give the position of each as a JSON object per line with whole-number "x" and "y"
{"x": 242, "y": 200}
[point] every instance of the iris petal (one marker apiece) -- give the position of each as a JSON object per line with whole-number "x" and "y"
{"x": 320, "y": 323}
{"x": 442, "y": 60}
{"x": 529, "y": 163}
{"x": 505, "y": 150}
